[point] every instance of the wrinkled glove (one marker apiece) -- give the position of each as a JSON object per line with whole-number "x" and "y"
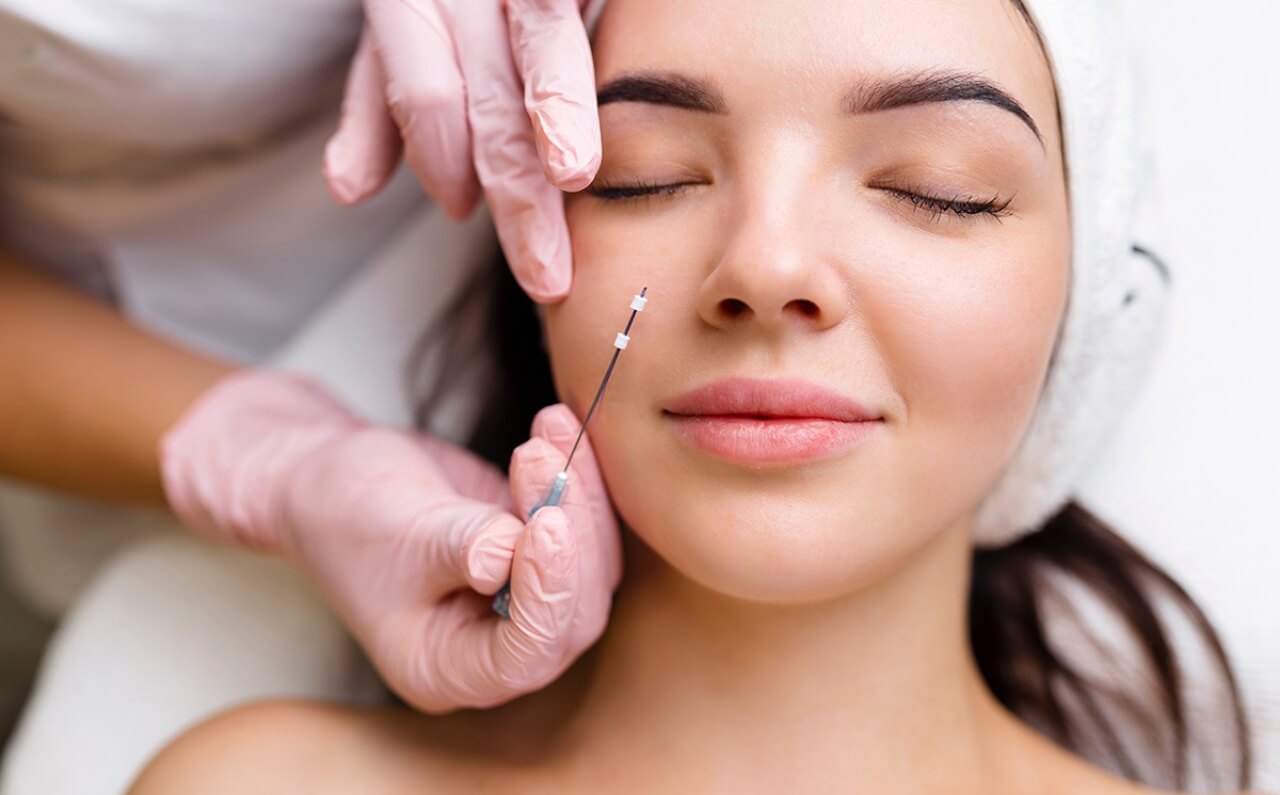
{"x": 407, "y": 536}
{"x": 496, "y": 95}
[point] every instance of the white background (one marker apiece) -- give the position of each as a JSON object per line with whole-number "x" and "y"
{"x": 1194, "y": 477}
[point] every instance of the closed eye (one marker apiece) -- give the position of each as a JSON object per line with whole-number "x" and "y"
{"x": 960, "y": 206}
{"x": 638, "y": 189}
{"x": 957, "y": 205}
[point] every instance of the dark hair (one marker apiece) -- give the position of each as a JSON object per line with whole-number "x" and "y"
{"x": 1124, "y": 704}
{"x": 1074, "y": 575}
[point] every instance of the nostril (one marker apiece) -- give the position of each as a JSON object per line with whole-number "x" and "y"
{"x": 733, "y": 307}
{"x": 804, "y": 307}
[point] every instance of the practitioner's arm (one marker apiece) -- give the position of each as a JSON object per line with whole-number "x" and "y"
{"x": 84, "y": 394}
{"x": 391, "y": 524}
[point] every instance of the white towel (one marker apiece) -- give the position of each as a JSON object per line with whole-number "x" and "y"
{"x": 1119, "y": 286}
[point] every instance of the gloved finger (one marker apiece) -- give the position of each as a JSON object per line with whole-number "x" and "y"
{"x": 427, "y": 99}
{"x": 479, "y": 660}
{"x": 469, "y": 474}
{"x": 527, "y": 210}
{"x": 533, "y": 466}
{"x": 558, "y": 425}
{"x": 467, "y": 543}
{"x": 553, "y": 57}
{"x": 364, "y": 151}
{"x": 534, "y": 646}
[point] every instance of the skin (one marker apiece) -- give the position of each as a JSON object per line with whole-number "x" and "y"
{"x": 779, "y": 629}
{"x": 87, "y": 394}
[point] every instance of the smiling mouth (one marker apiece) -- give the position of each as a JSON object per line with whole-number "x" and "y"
{"x": 770, "y": 422}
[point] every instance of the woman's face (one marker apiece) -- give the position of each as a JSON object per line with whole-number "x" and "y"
{"x": 840, "y": 194}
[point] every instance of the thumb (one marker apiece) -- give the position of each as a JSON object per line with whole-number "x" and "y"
{"x": 470, "y": 543}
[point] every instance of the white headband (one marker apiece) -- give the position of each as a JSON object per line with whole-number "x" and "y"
{"x": 1118, "y": 287}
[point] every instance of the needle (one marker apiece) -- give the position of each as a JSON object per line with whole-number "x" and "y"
{"x": 502, "y": 600}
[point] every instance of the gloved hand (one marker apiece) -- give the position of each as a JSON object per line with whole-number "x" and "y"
{"x": 407, "y": 535}
{"x": 458, "y": 83}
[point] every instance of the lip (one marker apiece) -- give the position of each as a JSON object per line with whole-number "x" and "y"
{"x": 770, "y": 422}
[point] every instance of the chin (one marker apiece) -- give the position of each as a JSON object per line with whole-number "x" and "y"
{"x": 795, "y": 535}
{"x": 781, "y": 548}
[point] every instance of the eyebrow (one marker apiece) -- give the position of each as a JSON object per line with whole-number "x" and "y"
{"x": 919, "y": 89}
{"x": 672, "y": 90}
{"x": 679, "y": 91}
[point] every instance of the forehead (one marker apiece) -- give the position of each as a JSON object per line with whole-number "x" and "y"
{"x": 812, "y": 51}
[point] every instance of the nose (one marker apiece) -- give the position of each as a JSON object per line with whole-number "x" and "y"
{"x": 774, "y": 276}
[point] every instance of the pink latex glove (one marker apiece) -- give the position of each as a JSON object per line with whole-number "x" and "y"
{"x": 496, "y": 95}
{"x": 407, "y": 535}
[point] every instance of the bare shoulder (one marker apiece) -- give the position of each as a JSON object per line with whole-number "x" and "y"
{"x": 311, "y": 748}
{"x": 283, "y": 747}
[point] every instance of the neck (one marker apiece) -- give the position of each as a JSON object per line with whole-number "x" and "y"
{"x": 876, "y": 690}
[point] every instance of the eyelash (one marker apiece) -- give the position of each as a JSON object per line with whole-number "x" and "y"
{"x": 630, "y": 191}
{"x": 961, "y": 206}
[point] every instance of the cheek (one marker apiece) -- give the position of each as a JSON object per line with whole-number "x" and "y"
{"x": 579, "y": 330}
{"x": 968, "y": 356}
{"x": 615, "y": 255}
